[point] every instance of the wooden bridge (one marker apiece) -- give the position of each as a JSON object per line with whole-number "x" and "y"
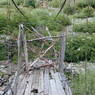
{"x": 40, "y": 77}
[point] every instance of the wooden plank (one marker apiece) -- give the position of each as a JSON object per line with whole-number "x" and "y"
{"x": 35, "y": 85}
{"x": 23, "y": 85}
{"x": 21, "y": 77}
{"x": 46, "y": 81}
{"x": 28, "y": 88}
{"x": 41, "y": 82}
{"x": 53, "y": 87}
{"x": 59, "y": 85}
{"x": 65, "y": 85}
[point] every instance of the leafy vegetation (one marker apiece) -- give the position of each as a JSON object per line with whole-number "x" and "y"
{"x": 55, "y": 3}
{"x": 85, "y": 12}
{"x": 85, "y": 27}
{"x": 70, "y": 10}
{"x": 82, "y": 86}
{"x": 81, "y": 48}
{"x": 37, "y": 18}
{"x": 31, "y": 3}
{"x": 85, "y": 3}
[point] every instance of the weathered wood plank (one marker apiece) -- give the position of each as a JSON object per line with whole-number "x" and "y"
{"x": 59, "y": 85}
{"x": 53, "y": 87}
{"x": 46, "y": 81}
{"x": 28, "y": 88}
{"x": 41, "y": 82}
{"x": 23, "y": 85}
{"x": 35, "y": 85}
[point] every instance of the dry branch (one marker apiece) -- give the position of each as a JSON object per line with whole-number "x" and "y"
{"x": 42, "y": 54}
{"x": 44, "y": 38}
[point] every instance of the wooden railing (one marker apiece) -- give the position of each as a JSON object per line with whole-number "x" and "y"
{"x": 23, "y": 63}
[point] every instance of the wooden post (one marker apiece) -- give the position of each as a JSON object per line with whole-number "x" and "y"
{"x": 26, "y": 52}
{"x": 19, "y": 49}
{"x": 62, "y": 52}
{"x": 22, "y": 48}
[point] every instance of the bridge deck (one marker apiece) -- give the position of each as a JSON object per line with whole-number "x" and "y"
{"x": 43, "y": 81}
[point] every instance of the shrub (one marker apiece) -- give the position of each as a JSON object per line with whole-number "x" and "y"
{"x": 79, "y": 83}
{"x": 36, "y": 18}
{"x": 85, "y": 3}
{"x": 3, "y": 2}
{"x": 55, "y": 3}
{"x": 31, "y": 3}
{"x": 85, "y": 12}
{"x": 88, "y": 12}
{"x": 85, "y": 27}
{"x": 46, "y": 18}
{"x": 80, "y": 48}
{"x": 81, "y": 4}
{"x": 70, "y": 10}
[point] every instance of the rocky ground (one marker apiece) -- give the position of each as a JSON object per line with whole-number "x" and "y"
{"x": 5, "y": 73}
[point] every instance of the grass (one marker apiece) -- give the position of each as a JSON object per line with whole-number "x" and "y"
{"x": 84, "y": 84}
{"x": 85, "y": 27}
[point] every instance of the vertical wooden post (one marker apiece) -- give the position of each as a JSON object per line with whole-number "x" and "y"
{"x": 26, "y": 52}
{"x": 19, "y": 48}
{"x": 62, "y": 51}
{"x": 22, "y": 47}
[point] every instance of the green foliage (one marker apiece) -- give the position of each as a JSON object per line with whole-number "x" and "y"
{"x": 85, "y": 3}
{"x": 80, "y": 48}
{"x": 3, "y": 2}
{"x": 88, "y": 12}
{"x": 84, "y": 87}
{"x": 6, "y": 2}
{"x": 85, "y": 27}
{"x": 85, "y": 12}
{"x": 19, "y": 2}
{"x": 55, "y": 3}
{"x": 37, "y": 18}
{"x": 70, "y": 10}
{"x": 31, "y": 3}
{"x": 43, "y": 17}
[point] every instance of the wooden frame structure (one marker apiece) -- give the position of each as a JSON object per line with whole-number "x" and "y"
{"x": 12, "y": 88}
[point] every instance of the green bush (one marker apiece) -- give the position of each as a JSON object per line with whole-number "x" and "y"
{"x": 3, "y": 2}
{"x": 88, "y": 12}
{"x": 44, "y": 17}
{"x": 55, "y": 3}
{"x": 80, "y": 48}
{"x": 6, "y": 2}
{"x": 36, "y": 18}
{"x": 31, "y": 3}
{"x": 70, "y": 10}
{"x": 85, "y": 3}
{"x": 85, "y": 27}
{"x": 85, "y": 12}
{"x": 82, "y": 86}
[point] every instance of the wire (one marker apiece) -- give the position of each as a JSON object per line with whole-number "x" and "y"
{"x": 63, "y": 4}
{"x": 19, "y": 10}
